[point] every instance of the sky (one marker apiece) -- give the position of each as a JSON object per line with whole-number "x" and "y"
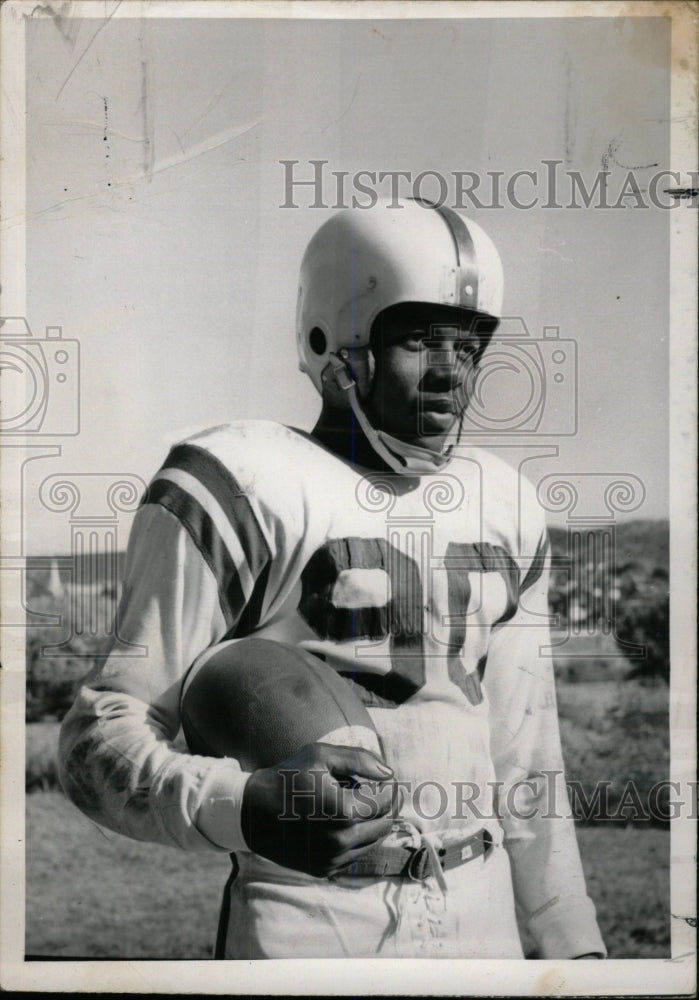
{"x": 156, "y": 240}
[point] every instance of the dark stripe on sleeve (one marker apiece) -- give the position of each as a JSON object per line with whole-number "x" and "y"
{"x": 224, "y": 487}
{"x": 538, "y": 563}
{"x": 208, "y": 541}
{"x": 252, "y": 613}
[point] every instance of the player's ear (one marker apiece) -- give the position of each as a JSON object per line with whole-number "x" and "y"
{"x": 336, "y": 381}
{"x": 364, "y": 366}
{"x": 355, "y": 365}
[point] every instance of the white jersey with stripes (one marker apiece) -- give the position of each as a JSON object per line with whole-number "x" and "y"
{"x": 429, "y": 594}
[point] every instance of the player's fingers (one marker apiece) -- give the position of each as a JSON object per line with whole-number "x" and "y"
{"x": 368, "y": 800}
{"x": 364, "y": 802}
{"x": 342, "y": 861}
{"x": 346, "y": 762}
{"x": 363, "y": 834}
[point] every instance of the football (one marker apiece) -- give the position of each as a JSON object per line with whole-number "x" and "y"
{"x": 261, "y": 701}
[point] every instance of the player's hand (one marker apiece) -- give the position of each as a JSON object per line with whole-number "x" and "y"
{"x": 315, "y": 811}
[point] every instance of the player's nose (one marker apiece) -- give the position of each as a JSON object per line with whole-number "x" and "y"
{"x": 443, "y": 368}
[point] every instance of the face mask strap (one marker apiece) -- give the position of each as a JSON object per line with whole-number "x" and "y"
{"x": 401, "y": 457}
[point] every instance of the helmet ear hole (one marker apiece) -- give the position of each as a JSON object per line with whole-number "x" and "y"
{"x": 317, "y": 341}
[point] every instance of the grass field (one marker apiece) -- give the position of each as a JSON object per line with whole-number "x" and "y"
{"x": 95, "y": 894}
{"x": 91, "y": 893}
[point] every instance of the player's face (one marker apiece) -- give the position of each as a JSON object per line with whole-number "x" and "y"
{"x": 424, "y": 361}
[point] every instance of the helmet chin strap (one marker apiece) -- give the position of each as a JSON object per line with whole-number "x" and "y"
{"x": 401, "y": 456}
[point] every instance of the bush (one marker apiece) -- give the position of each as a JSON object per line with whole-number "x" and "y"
{"x": 627, "y": 588}
{"x": 53, "y": 674}
{"x": 41, "y": 756}
{"x": 644, "y": 619}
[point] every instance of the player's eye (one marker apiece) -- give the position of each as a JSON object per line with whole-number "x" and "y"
{"x": 466, "y": 349}
{"x": 415, "y": 340}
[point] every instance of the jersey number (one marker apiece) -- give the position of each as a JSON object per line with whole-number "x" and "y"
{"x": 401, "y": 617}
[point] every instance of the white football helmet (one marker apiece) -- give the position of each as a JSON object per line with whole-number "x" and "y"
{"x": 360, "y": 262}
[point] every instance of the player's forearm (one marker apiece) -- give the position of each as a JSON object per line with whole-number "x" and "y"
{"x": 117, "y": 765}
{"x": 547, "y": 873}
{"x": 117, "y": 758}
{"x": 550, "y": 887}
{"x": 540, "y": 838}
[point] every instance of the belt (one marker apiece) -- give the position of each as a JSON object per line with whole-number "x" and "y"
{"x": 418, "y": 863}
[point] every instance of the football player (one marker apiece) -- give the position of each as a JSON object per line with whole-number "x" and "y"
{"x": 413, "y": 565}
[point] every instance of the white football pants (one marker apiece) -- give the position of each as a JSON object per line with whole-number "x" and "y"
{"x": 277, "y": 913}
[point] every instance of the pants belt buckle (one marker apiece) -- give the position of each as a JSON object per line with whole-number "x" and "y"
{"x": 420, "y": 864}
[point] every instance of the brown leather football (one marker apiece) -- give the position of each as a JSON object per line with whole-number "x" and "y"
{"x": 261, "y": 701}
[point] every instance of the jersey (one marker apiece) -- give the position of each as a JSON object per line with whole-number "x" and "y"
{"x": 428, "y": 594}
